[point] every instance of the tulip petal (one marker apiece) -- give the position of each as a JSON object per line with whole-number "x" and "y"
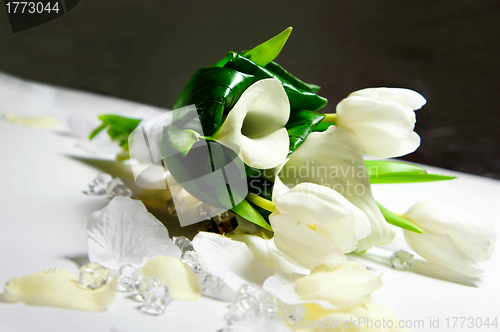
{"x": 411, "y": 98}
{"x": 124, "y": 232}
{"x": 442, "y": 250}
{"x": 334, "y": 158}
{"x": 58, "y": 288}
{"x": 179, "y": 277}
{"x": 255, "y": 127}
{"x": 229, "y": 260}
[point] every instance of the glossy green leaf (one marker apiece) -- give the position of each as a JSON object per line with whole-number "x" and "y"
{"x": 284, "y": 75}
{"x": 399, "y": 221}
{"x": 269, "y": 50}
{"x": 382, "y": 171}
{"x": 119, "y": 128}
{"x": 300, "y": 125}
{"x": 299, "y": 99}
{"x": 247, "y": 211}
{"x": 322, "y": 126}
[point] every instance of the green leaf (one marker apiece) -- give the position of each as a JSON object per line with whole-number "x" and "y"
{"x": 119, "y": 128}
{"x": 269, "y": 50}
{"x": 381, "y": 171}
{"x": 247, "y": 211}
{"x": 300, "y": 125}
{"x": 299, "y": 99}
{"x": 399, "y": 221}
{"x": 322, "y": 126}
{"x": 289, "y": 78}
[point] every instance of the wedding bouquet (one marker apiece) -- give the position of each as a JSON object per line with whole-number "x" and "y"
{"x": 283, "y": 194}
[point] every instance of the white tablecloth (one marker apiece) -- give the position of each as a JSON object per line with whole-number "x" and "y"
{"x": 43, "y": 216}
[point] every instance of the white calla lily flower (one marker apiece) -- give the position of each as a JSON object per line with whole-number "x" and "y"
{"x": 314, "y": 224}
{"x": 383, "y": 118}
{"x": 334, "y": 158}
{"x": 453, "y": 237}
{"x": 255, "y": 127}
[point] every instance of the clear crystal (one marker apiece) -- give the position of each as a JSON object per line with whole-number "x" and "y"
{"x": 248, "y": 289}
{"x": 128, "y": 278}
{"x": 144, "y": 285}
{"x": 212, "y": 285}
{"x": 183, "y": 243}
{"x": 191, "y": 259}
{"x": 267, "y": 304}
{"x": 116, "y": 187}
{"x": 401, "y": 260}
{"x": 98, "y": 185}
{"x": 245, "y": 307}
{"x": 156, "y": 300}
{"x": 93, "y": 276}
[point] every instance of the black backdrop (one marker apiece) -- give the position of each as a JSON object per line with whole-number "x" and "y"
{"x": 146, "y": 50}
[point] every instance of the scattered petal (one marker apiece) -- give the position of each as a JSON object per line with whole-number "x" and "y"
{"x": 179, "y": 277}
{"x": 124, "y": 233}
{"x": 58, "y": 288}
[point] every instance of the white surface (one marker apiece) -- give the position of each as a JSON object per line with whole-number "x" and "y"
{"x": 43, "y": 216}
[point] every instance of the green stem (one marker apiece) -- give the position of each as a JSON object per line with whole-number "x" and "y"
{"x": 261, "y": 202}
{"x": 330, "y": 118}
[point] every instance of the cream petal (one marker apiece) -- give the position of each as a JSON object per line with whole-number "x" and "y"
{"x": 179, "y": 277}
{"x": 283, "y": 288}
{"x": 256, "y": 125}
{"x": 343, "y": 285}
{"x": 440, "y": 249}
{"x": 229, "y": 260}
{"x": 124, "y": 232}
{"x": 58, "y": 288}
{"x": 334, "y": 158}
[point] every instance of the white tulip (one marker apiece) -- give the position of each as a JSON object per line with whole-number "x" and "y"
{"x": 383, "y": 118}
{"x": 453, "y": 237}
{"x": 314, "y": 225}
{"x": 255, "y": 127}
{"x": 334, "y": 158}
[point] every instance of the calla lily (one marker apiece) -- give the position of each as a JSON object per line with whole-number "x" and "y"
{"x": 314, "y": 224}
{"x": 179, "y": 277}
{"x": 58, "y": 288}
{"x": 330, "y": 286}
{"x": 255, "y": 127}
{"x": 453, "y": 237}
{"x": 124, "y": 232}
{"x": 334, "y": 158}
{"x": 383, "y": 118}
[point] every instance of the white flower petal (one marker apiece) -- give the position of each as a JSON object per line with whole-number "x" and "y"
{"x": 413, "y": 99}
{"x": 256, "y": 125}
{"x": 179, "y": 277}
{"x": 266, "y": 252}
{"x": 334, "y": 158}
{"x": 229, "y": 260}
{"x": 124, "y": 232}
{"x": 58, "y": 288}
{"x": 344, "y": 285}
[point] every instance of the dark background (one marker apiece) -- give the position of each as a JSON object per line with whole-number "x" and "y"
{"x": 146, "y": 50}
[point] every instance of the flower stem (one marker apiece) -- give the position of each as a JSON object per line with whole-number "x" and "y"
{"x": 330, "y": 118}
{"x": 261, "y": 202}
